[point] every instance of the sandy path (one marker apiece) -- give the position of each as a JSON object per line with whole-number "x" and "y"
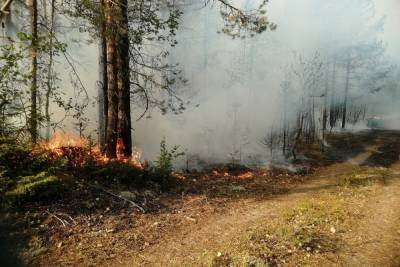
{"x": 376, "y": 241}
{"x": 380, "y": 232}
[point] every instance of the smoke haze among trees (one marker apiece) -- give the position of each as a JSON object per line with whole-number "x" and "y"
{"x": 238, "y": 84}
{"x": 239, "y": 93}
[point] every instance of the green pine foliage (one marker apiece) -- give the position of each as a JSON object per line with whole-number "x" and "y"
{"x": 165, "y": 158}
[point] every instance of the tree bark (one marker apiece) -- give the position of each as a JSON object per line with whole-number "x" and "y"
{"x": 112, "y": 87}
{"x": 33, "y": 119}
{"x": 102, "y": 83}
{"x": 346, "y": 92}
{"x": 116, "y": 89}
{"x": 49, "y": 71}
{"x": 118, "y": 136}
{"x": 124, "y": 111}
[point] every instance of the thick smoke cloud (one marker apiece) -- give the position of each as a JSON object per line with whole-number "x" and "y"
{"x": 237, "y": 83}
{"x": 235, "y": 86}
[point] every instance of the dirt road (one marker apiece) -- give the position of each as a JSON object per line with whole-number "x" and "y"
{"x": 374, "y": 242}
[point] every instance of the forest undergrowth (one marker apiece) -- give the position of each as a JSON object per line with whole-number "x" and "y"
{"x": 57, "y": 211}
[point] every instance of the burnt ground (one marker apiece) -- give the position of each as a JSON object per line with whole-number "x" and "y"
{"x": 207, "y": 210}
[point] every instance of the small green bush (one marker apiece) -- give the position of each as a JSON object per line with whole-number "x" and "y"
{"x": 166, "y": 156}
{"x": 163, "y": 168}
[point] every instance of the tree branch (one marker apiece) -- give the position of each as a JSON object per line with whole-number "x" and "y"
{"x": 4, "y": 10}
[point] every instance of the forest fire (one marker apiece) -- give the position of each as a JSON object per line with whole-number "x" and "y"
{"x": 80, "y": 151}
{"x": 58, "y": 141}
{"x": 244, "y": 174}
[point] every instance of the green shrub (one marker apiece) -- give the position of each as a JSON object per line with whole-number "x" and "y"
{"x": 166, "y": 156}
{"x": 163, "y": 168}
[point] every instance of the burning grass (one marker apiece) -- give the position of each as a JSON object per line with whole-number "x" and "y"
{"x": 61, "y": 183}
{"x": 78, "y": 152}
{"x": 41, "y": 173}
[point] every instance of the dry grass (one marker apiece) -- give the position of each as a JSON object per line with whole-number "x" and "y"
{"x": 364, "y": 176}
{"x": 305, "y": 233}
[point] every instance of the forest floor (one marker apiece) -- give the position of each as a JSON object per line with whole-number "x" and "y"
{"x": 340, "y": 208}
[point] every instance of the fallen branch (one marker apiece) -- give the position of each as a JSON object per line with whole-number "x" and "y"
{"x": 66, "y": 215}
{"x": 58, "y": 218}
{"x": 117, "y": 196}
{"x": 127, "y": 200}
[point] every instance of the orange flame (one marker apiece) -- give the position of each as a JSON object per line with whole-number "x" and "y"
{"x": 59, "y": 140}
{"x": 58, "y": 144}
{"x": 246, "y": 175}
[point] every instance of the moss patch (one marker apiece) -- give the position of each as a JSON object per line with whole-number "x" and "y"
{"x": 35, "y": 187}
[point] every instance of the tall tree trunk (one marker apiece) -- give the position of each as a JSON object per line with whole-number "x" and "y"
{"x": 124, "y": 111}
{"x": 298, "y": 135}
{"x": 332, "y": 108}
{"x": 346, "y": 92}
{"x": 33, "y": 119}
{"x": 49, "y": 82}
{"x": 102, "y": 83}
{"x": 285, "y": 123}
{"x": 118, "y": 137}
{"x": 325, "y": 111}
{"x": 112, "y": 87}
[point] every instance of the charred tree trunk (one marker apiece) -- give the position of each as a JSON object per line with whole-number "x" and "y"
{"x": 346, "y": 93}
{"x": 285, "y": 122}
{"x": 325, "y": 111}
{"x": 112, "y": 87}
{"x": 124, "y": 111}
{"x": 332, "y": 108}
{"x": 33, "y": 118}
{"x": 298, "y": 135}
{"x": 102, "y": 84}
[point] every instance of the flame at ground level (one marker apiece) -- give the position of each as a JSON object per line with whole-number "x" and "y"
{"x": 79, "y": 150}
